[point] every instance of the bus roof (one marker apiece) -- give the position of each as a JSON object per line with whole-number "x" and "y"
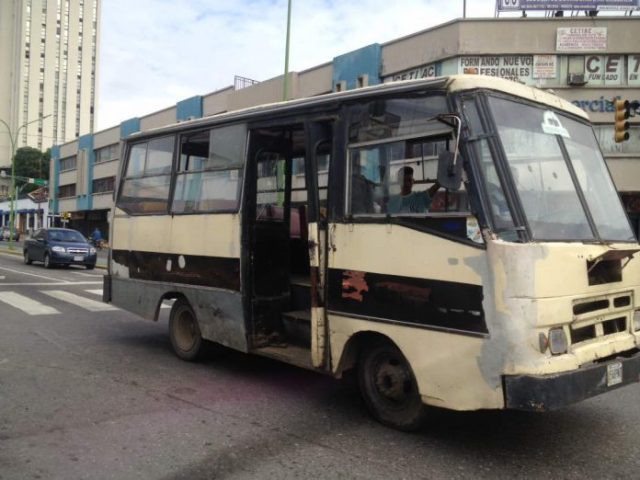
{"x": 453, "y": 83}
{"x": 471, "y": 82}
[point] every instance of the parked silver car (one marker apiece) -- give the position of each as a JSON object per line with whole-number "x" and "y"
{"x": 4, "y": 234}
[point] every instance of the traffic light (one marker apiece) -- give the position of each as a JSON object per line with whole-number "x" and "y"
{"x": 622, "y": 112}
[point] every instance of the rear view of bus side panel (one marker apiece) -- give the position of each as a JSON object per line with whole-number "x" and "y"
{"x": 181, "y": 264}
{"x": 175, "y": 234}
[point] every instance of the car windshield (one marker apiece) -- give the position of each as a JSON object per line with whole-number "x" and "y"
{"x": 70, "y": 236}
{"x": 560, "y": 175}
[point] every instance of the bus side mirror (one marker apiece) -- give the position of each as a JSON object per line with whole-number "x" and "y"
{"x": 449, "y": 171}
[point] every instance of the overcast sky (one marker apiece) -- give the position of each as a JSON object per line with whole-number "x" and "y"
{"x": 154, "y": 53}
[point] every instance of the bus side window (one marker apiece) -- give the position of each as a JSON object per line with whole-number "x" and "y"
{"x": 146, "y": 185}
{"x": 210, "y": 169}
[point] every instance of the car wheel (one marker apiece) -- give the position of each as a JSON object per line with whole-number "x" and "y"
{"x": 27, "y": 258}
{"x": 47, "y": 261}
{"x": 90, "y": 266}
{"x": 184, "y": 331}
{"x": 389, "y": 388}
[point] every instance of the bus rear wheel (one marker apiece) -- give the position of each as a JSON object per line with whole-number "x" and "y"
{"x": 389, "y": 388}
{"x": 184, "y": 331}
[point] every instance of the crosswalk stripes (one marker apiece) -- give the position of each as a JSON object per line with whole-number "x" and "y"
{"x": 80, "y": 301}
{"x": 26, "y": 304}
{"x": 32, "y": 306}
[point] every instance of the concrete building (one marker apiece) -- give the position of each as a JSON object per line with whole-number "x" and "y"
{"x": 48, "y": 71}
{"x": 587, "y": 60}
{"x": 31, "y": 212}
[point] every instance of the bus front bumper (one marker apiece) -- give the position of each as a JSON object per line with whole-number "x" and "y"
{"x": 541, "y": 393}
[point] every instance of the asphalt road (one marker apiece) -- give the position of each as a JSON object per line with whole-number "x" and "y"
{"x": 92, "y": 393}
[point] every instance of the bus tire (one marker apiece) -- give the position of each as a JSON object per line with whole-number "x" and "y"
{"x": 389, "y": 388}
{"x": 184, "y": 331}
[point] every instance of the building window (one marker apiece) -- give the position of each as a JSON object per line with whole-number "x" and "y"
{"x": 68, "y": 163}
{"x": 605, "y": 136}
{"x": 108, "y": 153}
{"x": 102, "y": 185}
{"x": 66, "y": 191}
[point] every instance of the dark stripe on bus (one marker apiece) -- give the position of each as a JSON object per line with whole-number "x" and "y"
{"x": 218, "y": 272}
{"x": 432, "y": 303}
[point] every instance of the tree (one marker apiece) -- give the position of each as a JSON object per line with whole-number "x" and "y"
{"x": 31, "y": 162}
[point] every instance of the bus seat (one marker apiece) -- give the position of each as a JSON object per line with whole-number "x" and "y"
{"x": 294, "y": 224}
{"x": 361, "y": 194}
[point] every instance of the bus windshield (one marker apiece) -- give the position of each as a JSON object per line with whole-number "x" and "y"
{"x": 560, "y": 175}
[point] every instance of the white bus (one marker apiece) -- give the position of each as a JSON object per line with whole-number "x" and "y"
{"x": 499, "y": 271}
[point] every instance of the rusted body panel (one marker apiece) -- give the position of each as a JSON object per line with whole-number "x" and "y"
{"x": 219, "y": 312}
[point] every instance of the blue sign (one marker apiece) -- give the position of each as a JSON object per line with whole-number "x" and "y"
{"x": 506, "y": 5}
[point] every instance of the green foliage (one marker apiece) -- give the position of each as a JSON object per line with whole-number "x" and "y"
{"x": 32, "y": 163}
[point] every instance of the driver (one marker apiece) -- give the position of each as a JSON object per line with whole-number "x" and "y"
{"x": 408, "y": 201}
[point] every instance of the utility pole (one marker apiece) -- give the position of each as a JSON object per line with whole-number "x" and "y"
{"x": 285, "y": 93}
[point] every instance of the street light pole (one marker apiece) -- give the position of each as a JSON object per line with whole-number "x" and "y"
{"x": 285, "y": 93}
{"x": 13, "y": 137}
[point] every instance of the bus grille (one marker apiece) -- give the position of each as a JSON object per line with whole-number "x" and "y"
{"x": 600, "y": 316}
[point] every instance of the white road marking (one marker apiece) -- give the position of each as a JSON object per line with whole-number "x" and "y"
{"x": 33, "y": 275}
{"x": 95, "y": 292}
{"x": 86, "y": 303}
{"x": 86, "y": 274}
{"x": 26, "y": 304}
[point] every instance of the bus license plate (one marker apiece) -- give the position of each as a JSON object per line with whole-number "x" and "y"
{"x": 78, "y": 258}
{"x": 614, "y": 374}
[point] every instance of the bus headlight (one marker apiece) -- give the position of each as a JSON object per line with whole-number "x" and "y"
{"x": 636, "y": 320}
{"x": 58, "y": 249}
{"x": 557, "y": 341}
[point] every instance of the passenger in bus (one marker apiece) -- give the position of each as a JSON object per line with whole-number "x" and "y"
{"x": 409, "y": 201}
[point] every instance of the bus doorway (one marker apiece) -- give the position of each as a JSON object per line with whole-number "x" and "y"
{"x": 284, "y": 241}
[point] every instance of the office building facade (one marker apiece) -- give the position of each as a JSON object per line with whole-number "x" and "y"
{"x": 48, "y": 72}
{"x": 586, "y": 60}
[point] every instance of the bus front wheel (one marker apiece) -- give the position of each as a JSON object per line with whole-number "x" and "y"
{"x": 184, "y": 331}
{"x": 389, "y": 388}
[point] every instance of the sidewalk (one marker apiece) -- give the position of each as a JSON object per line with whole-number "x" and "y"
{"x": 17, "y": 250}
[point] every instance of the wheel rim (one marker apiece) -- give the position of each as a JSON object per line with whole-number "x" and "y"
{"x": 392, "y": 379}
{"x": 185, "y": 330}
{"x": 26, "y": 257}
{"x": 46, "y": 261}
